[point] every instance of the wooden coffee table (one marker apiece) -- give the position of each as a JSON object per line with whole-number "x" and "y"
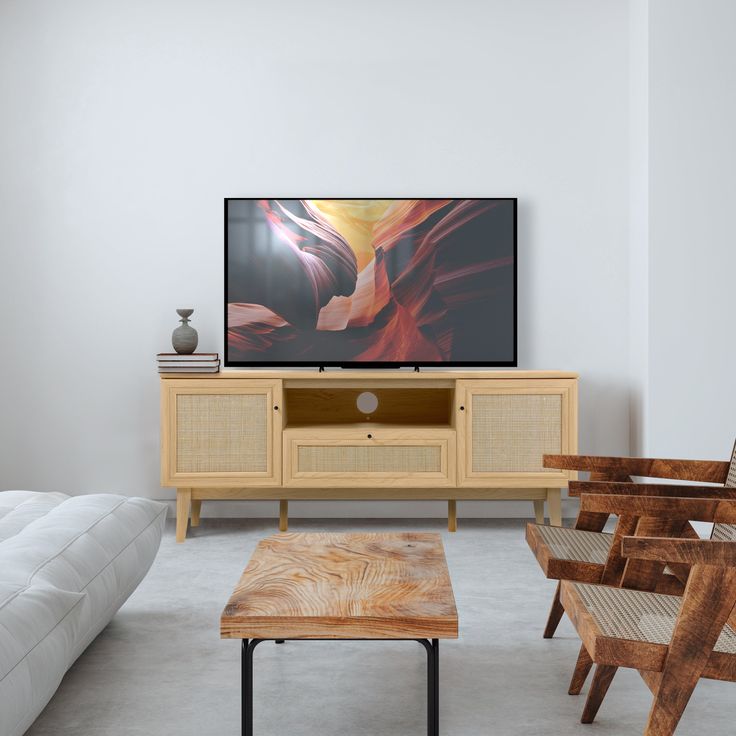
{"x": 343, "y": 586}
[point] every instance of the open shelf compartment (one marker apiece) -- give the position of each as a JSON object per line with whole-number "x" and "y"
{"x": 406, "y": 406}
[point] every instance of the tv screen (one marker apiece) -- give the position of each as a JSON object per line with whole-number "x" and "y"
{"x": 370, "y": 282}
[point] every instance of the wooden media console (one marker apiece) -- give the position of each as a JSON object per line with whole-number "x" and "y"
{"x": 299, "y": 434}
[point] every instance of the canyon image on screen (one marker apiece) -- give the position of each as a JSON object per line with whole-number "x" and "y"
{"x": 370, "y": 281}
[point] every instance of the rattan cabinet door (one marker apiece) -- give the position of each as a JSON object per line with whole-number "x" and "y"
{"x": 224, "y": 432}
{"x": 506, "y": 426}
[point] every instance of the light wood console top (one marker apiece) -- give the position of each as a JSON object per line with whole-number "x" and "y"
{"x": 332, "y": 374}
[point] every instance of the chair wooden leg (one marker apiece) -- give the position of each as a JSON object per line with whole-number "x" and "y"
{"x": 554, "y": 501}
{"x": 711, "y": 589}
{"x": 582, "y": 668}
{"x": 539, "y": 510}
{"x": 196, "y": 509}
{"x": 667, "y": 709}
{"x": 555, "y": 614}
{"x": 601, "y": 682}
{"x": 183, "y": 501}
{"x": 652, "y": 680}
{"x": 452, "y": 516}
{"x": 283, "y": 516}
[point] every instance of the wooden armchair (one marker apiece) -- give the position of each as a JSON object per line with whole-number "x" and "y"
{"x": 671, "y": 640}
{"x": 583, "y": 553}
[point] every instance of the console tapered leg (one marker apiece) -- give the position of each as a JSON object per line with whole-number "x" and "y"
{"x": 283, "y": 516}
{"x": 196, "y": 509}
{"x": 554, "y": 503}
{"x": 183, "y": 501}
{"x": 539, "y": 510}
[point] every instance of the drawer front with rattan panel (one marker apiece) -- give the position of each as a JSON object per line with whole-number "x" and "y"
{"x": 369, "y": 459}
{"x": 222, "y": 433}
{"x": 385, "y": 457}
{"x": 511, "y": 432}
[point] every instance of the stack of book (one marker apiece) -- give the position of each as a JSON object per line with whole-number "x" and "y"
{"x": 194, "y": 363}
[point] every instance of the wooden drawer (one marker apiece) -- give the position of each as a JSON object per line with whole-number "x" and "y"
{"x": 361, "y": 458}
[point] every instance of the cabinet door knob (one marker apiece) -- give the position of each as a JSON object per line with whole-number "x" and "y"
{"x": 370, "y": 436}
{"x": 275, "y": 408}
{"x": 462, "y": 408}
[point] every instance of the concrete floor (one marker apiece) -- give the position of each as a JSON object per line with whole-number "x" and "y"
{"x": 160, "y": 667}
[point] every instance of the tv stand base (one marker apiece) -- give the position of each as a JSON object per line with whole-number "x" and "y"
{"x": 189, "y": 501}
{"x": 429, "y": 436}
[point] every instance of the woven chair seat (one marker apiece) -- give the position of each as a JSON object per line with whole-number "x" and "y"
{"x": 724, "y": 532}
{"x": 620, "y": 613}
{"x": 576, "y": 544}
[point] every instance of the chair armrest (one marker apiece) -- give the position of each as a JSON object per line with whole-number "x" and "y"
{"x": 577, "y": 488}
{"x": 687, "y": 551}
{"x": 700, "y": 471}
{"x": 687, "y": 509}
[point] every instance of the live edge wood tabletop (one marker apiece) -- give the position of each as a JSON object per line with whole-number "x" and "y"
{"x": 344, "y": 586}
{"x": 370, "y": 586}
{"x": 434, "y": 435}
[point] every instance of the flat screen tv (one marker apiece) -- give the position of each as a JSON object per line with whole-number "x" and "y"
{"x": 370, "y": 282}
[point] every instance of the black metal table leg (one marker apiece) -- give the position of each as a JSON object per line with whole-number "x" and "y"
{"x": 431, "y": 722}
{"x": 432, "y": 685}
{"x": 436, "y": 687}
{"x": 246, "y": 685}
{"x": 246, "y": 690}
{"x": 433, "y": 682}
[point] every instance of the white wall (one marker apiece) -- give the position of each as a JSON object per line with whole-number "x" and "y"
{"x": 638, "y": 224}
{"x": 125, "y": 124}
{"x": 686, "y": 362}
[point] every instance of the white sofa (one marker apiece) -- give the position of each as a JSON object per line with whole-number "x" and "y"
{"x": 67, "y": 564}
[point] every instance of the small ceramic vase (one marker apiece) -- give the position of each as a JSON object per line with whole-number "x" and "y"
{"x": 184, "y": 338}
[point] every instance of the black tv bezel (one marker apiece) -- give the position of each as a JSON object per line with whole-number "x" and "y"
{"x": 378, "y": 364}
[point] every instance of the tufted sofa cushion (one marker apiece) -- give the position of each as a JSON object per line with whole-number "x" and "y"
{"x": 39, "y": 628}
{"x": 20, "y": 508}
{"x": 66, "y": 565}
